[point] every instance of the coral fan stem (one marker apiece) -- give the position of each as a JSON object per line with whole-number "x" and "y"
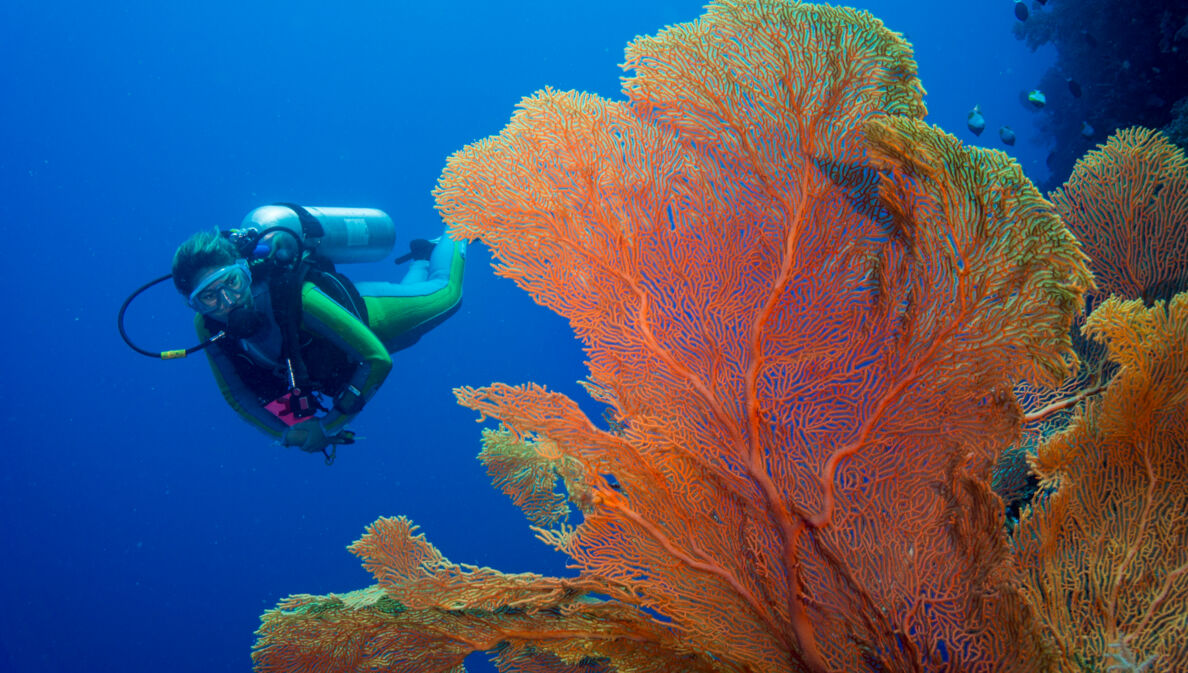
{"x": 1054, "y": 407}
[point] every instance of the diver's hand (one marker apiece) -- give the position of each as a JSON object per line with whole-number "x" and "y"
{"x": 308, "y": 435}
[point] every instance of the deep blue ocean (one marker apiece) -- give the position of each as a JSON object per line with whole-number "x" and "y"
{"x": 145, "y": 527}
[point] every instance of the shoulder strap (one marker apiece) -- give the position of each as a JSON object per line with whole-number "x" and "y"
{"x": 285, "y": 290}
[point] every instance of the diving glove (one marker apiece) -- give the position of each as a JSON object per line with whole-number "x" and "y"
{"x": 310, "y": 436}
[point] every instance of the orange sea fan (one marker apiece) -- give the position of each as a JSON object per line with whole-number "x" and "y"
{"x": 808, "y": 360}
{"x": 804, "y": 306}
{"x": 1106, "y": 554}
{"x": 1127, "y": 201}
{"x": 427, "y": 614}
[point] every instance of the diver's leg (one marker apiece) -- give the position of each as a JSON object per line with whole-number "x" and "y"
{"x": 417, "y": 272}
{"x": 437, "y": 267}
{"x": 399, "y": 313}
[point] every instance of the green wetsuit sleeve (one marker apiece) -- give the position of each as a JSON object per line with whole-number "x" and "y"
{"x": 323, "y": 316}
{"x": 236, "y": 393}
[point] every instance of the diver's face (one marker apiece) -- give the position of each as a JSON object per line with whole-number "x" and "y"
{"x": 220, "y": 291}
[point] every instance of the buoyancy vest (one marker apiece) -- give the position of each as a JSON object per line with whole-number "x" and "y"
{"x": 316, "y": 364}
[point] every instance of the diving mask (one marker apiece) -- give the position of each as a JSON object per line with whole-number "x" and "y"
{"x": 225, "y": 288}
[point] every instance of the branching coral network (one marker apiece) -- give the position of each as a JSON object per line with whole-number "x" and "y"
{"x": 806, "y": 311}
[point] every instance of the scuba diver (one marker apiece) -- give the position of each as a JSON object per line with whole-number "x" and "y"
{"x": 298, "y": 349}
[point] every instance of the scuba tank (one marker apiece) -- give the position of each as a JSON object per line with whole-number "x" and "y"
{"x": 341, "y": 235}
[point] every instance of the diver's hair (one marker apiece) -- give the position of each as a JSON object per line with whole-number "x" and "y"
{"x": 200, "y": 251}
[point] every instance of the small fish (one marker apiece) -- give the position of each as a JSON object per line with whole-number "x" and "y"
{"x": 1089, "y": 39}
{"x": 1042, "y": 2}
{"x": 975, "y": 121}
{"x": 1074, "y": 88}
{"x": 1021, "y": 12}
{"x": 1086, "y": 130}
{"x": 1007, "y": 135}
{"x": 1037, "y": 98}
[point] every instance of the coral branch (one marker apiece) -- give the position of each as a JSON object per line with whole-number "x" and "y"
{"x": 1040, "y": 415}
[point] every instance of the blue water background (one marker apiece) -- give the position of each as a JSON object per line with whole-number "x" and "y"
{"x": 145, "y": 527}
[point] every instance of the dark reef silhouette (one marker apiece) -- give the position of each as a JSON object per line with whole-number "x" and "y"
{"x": 1128, "y": 62}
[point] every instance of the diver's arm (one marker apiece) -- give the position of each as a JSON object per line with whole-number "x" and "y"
{"x": 235, "y": 391}
{"x": 323, "y": 316}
